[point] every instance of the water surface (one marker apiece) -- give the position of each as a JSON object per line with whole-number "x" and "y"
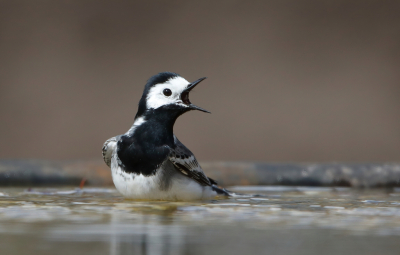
{"x": 283, "y": 220}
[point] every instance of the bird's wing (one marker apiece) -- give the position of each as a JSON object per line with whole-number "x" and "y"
{"x": 108, "y": 148}
{"x": 186, "y": 163}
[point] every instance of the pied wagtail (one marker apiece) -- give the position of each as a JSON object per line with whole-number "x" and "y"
{"x": 149, "y": 162}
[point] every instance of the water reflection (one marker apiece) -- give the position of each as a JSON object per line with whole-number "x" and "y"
{"x": 150, "y": 237}
{"x": 282, "y": 220}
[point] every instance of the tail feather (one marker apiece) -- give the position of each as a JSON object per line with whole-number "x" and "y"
{"x": 222, "y": 191}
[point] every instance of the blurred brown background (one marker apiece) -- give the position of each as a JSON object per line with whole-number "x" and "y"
{"x": 287, "y": 80}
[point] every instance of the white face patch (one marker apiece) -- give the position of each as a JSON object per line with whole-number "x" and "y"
{"x": 156, "y": 97}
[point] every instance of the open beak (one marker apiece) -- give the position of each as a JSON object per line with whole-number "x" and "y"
{"x": 185, "y": 96}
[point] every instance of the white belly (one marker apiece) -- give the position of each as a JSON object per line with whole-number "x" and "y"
{"x": 180, "y": 187}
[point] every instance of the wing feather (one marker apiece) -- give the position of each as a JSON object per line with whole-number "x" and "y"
{"x": 186, "y": 163}
{"x": 108, "y": 149}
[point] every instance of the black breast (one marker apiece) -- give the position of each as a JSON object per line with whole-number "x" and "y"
{"x": 145, "y": 150}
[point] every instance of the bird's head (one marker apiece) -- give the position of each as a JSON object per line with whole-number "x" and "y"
{"x": 170, "y": 92}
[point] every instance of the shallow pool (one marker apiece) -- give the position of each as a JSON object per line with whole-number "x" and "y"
{"x": 281, "y": 220}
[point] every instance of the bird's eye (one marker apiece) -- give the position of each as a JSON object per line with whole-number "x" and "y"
{"x": 167, "y": 92}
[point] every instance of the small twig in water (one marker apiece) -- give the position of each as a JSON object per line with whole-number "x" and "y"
{"x": 82, "y": 183}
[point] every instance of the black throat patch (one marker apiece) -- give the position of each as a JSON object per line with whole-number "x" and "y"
{"x": 144, "y": 151}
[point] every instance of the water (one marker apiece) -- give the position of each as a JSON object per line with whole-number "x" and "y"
{"x": 284, "y": 220}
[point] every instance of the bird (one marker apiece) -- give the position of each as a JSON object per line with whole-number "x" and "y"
{"x": 148, "y": 162}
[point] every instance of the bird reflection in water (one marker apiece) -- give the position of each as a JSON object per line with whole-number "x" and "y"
{"x": 155, "y": 235}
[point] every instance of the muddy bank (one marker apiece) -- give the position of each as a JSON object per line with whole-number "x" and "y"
{"x": 96, "y": 173}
